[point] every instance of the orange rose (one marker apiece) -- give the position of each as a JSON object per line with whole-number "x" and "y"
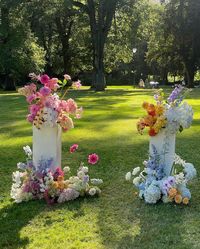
{"x": 185, "y": 200}
{"x": 178, "y": 198}
{"x": 172, "y": 192}
{"x": 61, "y": 185}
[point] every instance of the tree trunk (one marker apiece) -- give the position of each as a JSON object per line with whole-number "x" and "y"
{"x": 9, "y": 84}
{"x": 98, "y": 63}
{"x": 190, "y": 71}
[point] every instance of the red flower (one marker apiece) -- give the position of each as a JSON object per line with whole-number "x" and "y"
{"x": 152, "y": 132}
{"x": 73, "y": 148}
{"x": 93, "y": 158}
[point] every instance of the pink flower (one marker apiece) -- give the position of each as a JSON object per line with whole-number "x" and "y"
{"x": 34, "y": 109}
{"x": 67, "y": 77}
{"x": 30, "y": 118}
{"x": 58, "y": 172}
{"x": 71, "y": 106}
{"x": 79, "y": 113}
{"x": 44, "y": 79}
{"x": 73, "y": 148}
{"x": 93, "y": 158}
{"x": 52, "y": 84}
{"x": 45, "y": 91}
{"x": 77, "y": 84}
{"x": 30, "y": 98}
{"x": 33, "y": 76}
{"x": 65, "y": 122}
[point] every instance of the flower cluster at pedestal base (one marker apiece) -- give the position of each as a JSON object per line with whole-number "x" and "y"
{"x": 153, "y": 185}
{"x": 54, "y": 186}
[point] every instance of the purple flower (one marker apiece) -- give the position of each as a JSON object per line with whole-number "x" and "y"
{"x": 175, "y": 93}
{"x": 86, "y": 178}
{"x": 45, "y": 91}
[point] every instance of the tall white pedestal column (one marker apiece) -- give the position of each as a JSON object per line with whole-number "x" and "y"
{"x": 47, "y": 146}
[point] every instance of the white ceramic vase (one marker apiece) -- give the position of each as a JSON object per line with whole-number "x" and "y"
{"x": 47, "y": 146}
{"x": 164, "y": 143}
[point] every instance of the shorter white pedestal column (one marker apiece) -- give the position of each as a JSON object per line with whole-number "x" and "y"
{"x": 165, "y": 146}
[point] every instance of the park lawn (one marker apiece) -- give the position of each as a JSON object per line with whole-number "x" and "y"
{"x": 118, "y": 219}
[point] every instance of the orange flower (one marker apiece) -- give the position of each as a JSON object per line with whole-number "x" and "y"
{"x": 185, "y": 200}
{"x": 151, "y": 110}
{"x": 145, "y": 105}
{"x": 159, "y": 110}
{"x": 60, "y": 178}
{"x": 178, "y": 198}
{"x": 172, "y": 192}
{"x": 152, "y": 132}
{"x": 61, "y": 185}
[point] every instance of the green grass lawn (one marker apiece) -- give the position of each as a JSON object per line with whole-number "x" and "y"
{"x": 117, "y": 219}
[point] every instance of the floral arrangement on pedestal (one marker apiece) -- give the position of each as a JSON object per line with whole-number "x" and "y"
{"x": 53, "y": 186}
{"x": 162, "y": 177}
{"x": 45, "y": 106}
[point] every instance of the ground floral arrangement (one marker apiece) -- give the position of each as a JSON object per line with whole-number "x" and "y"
{"x": 45, "y": 106}
{"x": 167, "y": 117}
{"x": 54, "y": 187}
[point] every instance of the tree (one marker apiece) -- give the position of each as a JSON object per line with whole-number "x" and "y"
{"x": 182, "y": 21}
{"x": 100, "y": 14}
{"x": 19, "y": 51}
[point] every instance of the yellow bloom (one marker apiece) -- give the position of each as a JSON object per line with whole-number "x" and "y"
{"x": 60, "y": 178}
{"x": 55, "y": 184}
{"x": 185, "y": 201}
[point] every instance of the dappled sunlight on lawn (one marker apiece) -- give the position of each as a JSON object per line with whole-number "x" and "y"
{"x": 117, "y": 219}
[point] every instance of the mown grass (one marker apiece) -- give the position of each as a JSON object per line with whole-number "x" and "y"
{"x": 118, "y": 219}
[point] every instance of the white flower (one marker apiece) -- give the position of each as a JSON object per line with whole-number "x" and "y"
{"x": 190, "y": 171}
{"x": 80, "y": 174}
{"x": 128, "y": 176}
{"x": 92, "y": 191}
{"x": 66, "y": 169}
{"x": 180, "y": 178}
{"x": 96, "y": 181}
{"x": 178, "y": 160}
{"x": 85, "y": 169}
{"x": 136, "y": 180}
{"x": 27, "y": 151}
{"x": 17, "y": 177}
{"x": 21, "y": 166}
{"x": 152, "y": 194}
{"x": 136, "y": 171}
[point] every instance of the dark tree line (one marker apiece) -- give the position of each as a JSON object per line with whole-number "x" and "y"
{"x": 94, "y": 40}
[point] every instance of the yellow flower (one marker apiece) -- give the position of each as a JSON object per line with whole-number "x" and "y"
{"x": 185, "y": 200}
{"x": 55, "y": 184}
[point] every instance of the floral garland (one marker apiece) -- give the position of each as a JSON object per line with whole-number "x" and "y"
{"x": 152, "y": 182}
{"x": 45, "y": 106}
{"x": 58, "y": 186}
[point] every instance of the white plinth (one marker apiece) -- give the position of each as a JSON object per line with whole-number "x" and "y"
{"x": 47, "y": 145}
{"x": 165, "y": 146}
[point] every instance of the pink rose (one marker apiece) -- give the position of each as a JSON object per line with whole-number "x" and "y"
{"x": 44, "y": 79}
{"x": 67, "y": 77}
{"x": 45, "y": 91}
{"x": 93, "y": 158}
{"x": 73, "y": 148}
